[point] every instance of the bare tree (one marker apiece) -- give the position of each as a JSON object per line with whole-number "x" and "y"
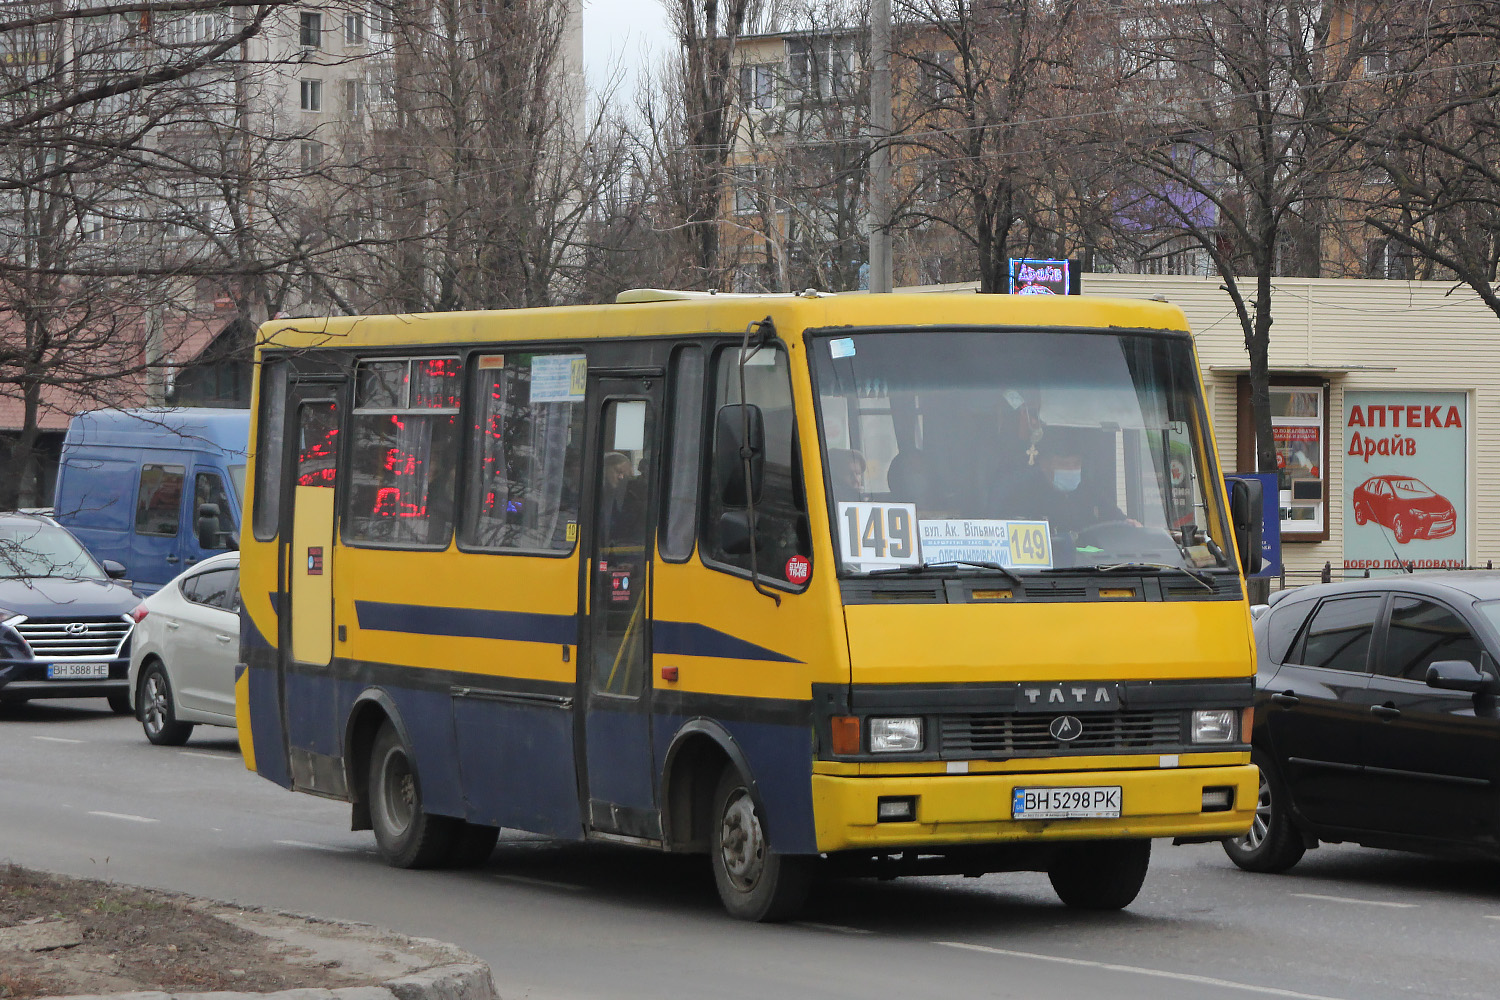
{"x": 1225, "y": 125}
{"x": 797, "y": 195}
{"x": 984, "y": 85}
{"x": 1430, "y": 141}
{"x": 483, "y": 171}
{"x": 88, "y": 304}
{"x": 703, "y": 84}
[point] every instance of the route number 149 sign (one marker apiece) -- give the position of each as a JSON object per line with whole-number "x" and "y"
{"x": 879, "y": 534}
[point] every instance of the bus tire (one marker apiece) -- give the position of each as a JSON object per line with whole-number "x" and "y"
{"x": 472, "y": 845}
{"x": 1272, "y": 844}
{"x": 406, "y": 835}
{"x": 1104, "y": 875}
{"x": 754, "y": 882}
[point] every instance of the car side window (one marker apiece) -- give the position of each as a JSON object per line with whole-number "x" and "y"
{"x": 1422, "y": 633}
{"x": 1283, "y": 625}
{"x": 215, "y": 588}
{"x": 1338, "y": 637}
{"x": 189, "y": 587}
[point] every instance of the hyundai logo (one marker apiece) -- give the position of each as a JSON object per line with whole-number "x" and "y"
{"x": 77, "y": 628}
{"x": 1065, "y": 728}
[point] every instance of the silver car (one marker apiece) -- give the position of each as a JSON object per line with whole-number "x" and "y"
{"x": 182, "y": 657}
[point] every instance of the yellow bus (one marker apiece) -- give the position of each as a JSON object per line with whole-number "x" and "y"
{"x": 893, "y": 584}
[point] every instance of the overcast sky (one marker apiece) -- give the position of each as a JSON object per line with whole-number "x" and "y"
{"x": 625, "y": 33}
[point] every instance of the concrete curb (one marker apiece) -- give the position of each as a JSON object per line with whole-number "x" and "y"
{"x": 460, "y": 981}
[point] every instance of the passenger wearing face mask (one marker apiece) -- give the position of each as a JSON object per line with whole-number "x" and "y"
{"x": 1053, "y": 490}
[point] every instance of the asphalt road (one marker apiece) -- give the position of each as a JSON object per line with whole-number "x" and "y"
{"x": 82, "y": 792}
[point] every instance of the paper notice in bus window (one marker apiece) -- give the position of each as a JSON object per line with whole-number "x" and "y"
{"x": 559, "y": 378}
{"x": 1013, "y": 544}
{"x": 841, "y": 347}
{"x": 872, "y": 535}
{"x": 489, "y": 361}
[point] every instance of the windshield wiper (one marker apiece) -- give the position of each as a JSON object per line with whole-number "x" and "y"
{"x": 1203, "y": 579}
{"x": 1009, "y": 574}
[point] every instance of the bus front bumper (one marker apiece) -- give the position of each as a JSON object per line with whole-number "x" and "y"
{"x": 976, "y": 808}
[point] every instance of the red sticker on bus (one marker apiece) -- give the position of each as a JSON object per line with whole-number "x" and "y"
{"x": 798, "y": 569}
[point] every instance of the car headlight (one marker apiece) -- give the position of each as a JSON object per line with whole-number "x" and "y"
{"x": 900, "y": 735}
{"x": 1215, "y": 725}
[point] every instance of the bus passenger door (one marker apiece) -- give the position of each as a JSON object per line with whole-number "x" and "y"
{"x": 306, "y": 603}
{"x": 614, "y": 665}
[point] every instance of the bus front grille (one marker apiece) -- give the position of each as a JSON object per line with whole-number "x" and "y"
{"x": 1014, "y": 735}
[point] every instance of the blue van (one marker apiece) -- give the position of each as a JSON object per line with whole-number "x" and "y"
{"x": 132, "y": 483}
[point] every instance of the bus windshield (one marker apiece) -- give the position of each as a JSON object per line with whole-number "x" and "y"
{"x": 1026, "y": 450}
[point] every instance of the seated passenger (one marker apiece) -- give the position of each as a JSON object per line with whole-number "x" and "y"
{"x": 1054, "y": 490}
{"x": 848, "y": 469}
{"x": 909, "y": 480}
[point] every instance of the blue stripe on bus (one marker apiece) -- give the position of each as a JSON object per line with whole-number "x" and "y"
{"x": 472, "y": 623}
{"x": 693, "y": 639}
{"x": 668, "y": 638}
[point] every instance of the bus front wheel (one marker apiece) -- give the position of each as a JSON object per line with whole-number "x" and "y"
{"x": 406, "y": 835}
{"x": 1104, "y": 875}
{"x": 755, "y": 883}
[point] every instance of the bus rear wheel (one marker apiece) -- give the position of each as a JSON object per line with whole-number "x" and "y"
{"x": 405, "y": 834}
{"x": 755, "y": 883}
{"x": 1105, "y": 875}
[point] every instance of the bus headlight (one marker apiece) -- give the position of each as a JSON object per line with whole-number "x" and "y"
{"x": 1215, "y": 725}
{"x": 902, "y": 735}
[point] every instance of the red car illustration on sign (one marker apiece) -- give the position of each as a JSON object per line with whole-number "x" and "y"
{"x": 1407, "y": 506}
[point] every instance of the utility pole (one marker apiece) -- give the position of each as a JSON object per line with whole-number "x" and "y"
{"x": 881, "y": 126}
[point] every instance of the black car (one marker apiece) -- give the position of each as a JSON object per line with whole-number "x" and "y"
{"x": 1377, "y": 718}
{"x": 64, "y": 622}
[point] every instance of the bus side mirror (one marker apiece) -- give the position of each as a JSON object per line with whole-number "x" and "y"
{"x": 1246, "y": 502}
{"x": 739, "y": 427}
{"x": 209, "y": 535}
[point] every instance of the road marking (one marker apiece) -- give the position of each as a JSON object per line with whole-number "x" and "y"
{"x": 835, "y": 928}
{"x": 1351, "y": 899}
{"x": 126, "y": 816}
{"x": 546, "y": 883}
{"x": 1492, "y": 916}
{"x": 1185, "y": 977}
{"x": 56, "y": 739}
{"x": 210, "y": 756}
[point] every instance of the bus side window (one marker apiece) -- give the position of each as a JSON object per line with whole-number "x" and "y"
{"x": 404, "y": 452}
{"x": 685, "y": 450}
{"x": 268, "y": 442}
{"x": 782, "y": 508}
{"x": 525, "y": 457}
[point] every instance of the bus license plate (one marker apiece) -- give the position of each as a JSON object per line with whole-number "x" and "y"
{"x": 77, "y": 671}
{"x": 1095, "y": 802}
